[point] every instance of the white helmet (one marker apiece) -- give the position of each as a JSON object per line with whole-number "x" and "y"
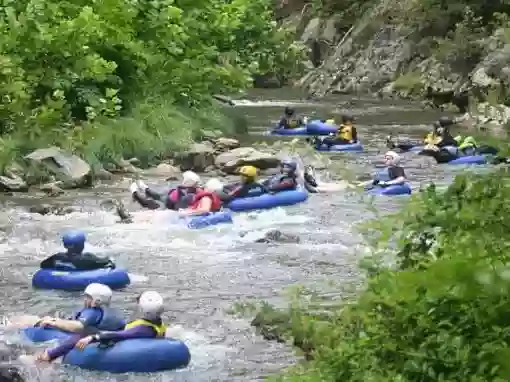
{"x": 395, "y": 158}
{"x": 214, "y": 185}
{"x": 151, "y": 304}
{"x": 99, "y": 293}
{"x": 190, "y": 179}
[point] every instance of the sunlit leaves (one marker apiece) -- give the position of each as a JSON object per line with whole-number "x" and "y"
{"x": 136, "y": 47}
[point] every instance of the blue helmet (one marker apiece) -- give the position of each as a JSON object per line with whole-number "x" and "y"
{"x": 290, "y": 164}
{"x": 73, "y": 239}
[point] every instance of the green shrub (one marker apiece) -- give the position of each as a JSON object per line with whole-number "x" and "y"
{"x": 100, "y": 66}
{"x": 439, "y": 314}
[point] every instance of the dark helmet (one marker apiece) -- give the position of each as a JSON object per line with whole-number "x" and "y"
{"x": 289, "y": 110}
{"x": 347, "y": 118}
{"x": 290, "y": 164}
{"x": 445, "y": 121}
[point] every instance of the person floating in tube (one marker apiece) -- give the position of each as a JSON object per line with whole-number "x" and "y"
{"x": 205, "y": 201}
{"x": 393, "y": 174}
{"x": 175, "y": 199}
{"x": 248, "y": 185}
{"x": 149, "y": 325}
{"x": 290, "y": 120}
{"x": 96, "y": 315}
{"x": 287, "y": 180}
{"x": 74, "y": 258}
{"x": 346, "y": 134}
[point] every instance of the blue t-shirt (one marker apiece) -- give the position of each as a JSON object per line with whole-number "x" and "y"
{"x": 90, "y": 317}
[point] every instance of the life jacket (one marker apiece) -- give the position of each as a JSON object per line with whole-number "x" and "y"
{"x": 111, "y": 319}
{"x": 345, "y": 132}
{"x": 292, "y": 122}
{"x": 216, "y": 201}
{"x": 432, "y": 139}
{"x": 276, "y": 180}
{"x": 468, "y": 142}
{"x": 180, "y": 197}
{"x": 159, "y": 329}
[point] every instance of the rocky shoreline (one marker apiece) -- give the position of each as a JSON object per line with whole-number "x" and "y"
{"x": 385, "y": 53}
{"x": 51, "y": 171}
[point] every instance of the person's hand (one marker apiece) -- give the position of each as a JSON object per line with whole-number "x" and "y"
{"x": 47, "y": 322}
{"x": 133, "y": 188}
{"x": 81, "y": 344}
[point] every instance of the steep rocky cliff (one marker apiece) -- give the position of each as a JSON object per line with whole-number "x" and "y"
{"x": 407, "y": 48}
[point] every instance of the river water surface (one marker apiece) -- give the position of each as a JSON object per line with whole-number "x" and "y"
{"x": 202, "y": 273}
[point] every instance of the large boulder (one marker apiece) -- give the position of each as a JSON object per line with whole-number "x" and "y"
{"x": 164, "y": 170}
{"x": 13, "y": 184}
{"x": 197, "y": 157}
{"x": 230, "y": 161}
{"x": 224, "y": 144}
{"x": 70, "y": 169}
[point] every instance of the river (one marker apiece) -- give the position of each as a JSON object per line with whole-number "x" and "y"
{"x": 202, "y": 273}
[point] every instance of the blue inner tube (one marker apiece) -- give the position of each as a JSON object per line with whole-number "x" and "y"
{"x": 137, "y": 355}
{"x": 212, "y": 218}
{"x": 267, "y": 201}
{"x": 400, "y": 189}
{"x": 79, "y": 280}
{"x": 416, "y": 149}
{"x": 354, "y": 147}
{"x": 296, "y": 131}
{"x": 37, "y": 334}
{"x": 471, "y": 159}
{"x": 317, "y": 127}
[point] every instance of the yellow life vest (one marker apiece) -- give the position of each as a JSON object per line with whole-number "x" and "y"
{"x": 345, "y": 132}
{"x": 432, "y": 139}
{"x": 160, "y": 329}
{"x": 292, "y": 123}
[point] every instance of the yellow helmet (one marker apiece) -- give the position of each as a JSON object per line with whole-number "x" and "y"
{"x": 248, "y": 171}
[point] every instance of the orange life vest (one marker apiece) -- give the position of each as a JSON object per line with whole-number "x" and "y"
{"x": 216, "y": 201}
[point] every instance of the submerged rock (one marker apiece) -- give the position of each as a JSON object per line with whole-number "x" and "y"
{"x": 15, "y": 184}
{"x": 9, "y": 373}
{"x": 46, "y": 209}
{"x": 70, "y": 169}
{"x": 277, "y": 236}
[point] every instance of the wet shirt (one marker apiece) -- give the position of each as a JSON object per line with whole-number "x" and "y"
{"x": 395, "y": 172}
{"x": 280, "y": 183}
{"x": 90, "y": 317}
{"x": 84, "y": 262}
{"x": 240, "y": 190}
